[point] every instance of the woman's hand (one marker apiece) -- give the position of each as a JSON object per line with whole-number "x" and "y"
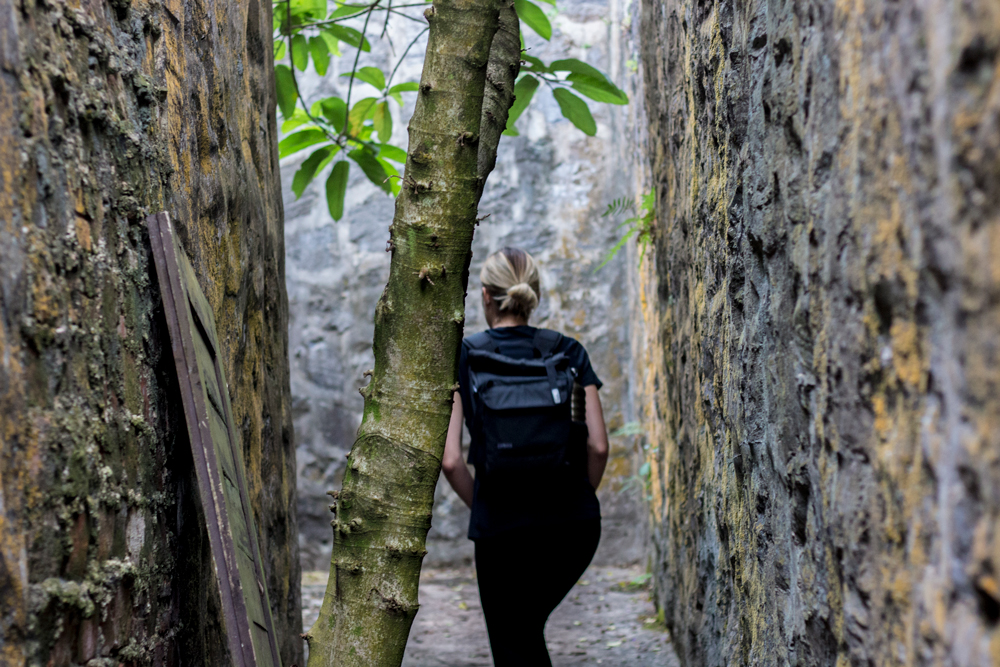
{"x": 597, "y": 438}
{"x": 455, "y": 470}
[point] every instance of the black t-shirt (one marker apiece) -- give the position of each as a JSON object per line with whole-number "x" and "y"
{"x": 501, "y": 506}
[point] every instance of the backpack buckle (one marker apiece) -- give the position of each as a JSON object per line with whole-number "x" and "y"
{"x": 556, "y": 396}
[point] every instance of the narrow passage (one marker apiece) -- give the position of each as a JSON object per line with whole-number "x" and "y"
{"x": 607, "y": 619}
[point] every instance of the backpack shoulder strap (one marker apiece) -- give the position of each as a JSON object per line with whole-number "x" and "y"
{"x": 546, "y": 340}
{"x": 481, "y": 341}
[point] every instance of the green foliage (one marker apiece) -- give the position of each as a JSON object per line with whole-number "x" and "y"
{"x": 347, "y": 35}
{"x": 362, "y": 111}
{"x": 640, "y": 225}
{"x": 599, "y": 90}
{"x": 533, "y": 17}
{"x": 320, "y": 52}
{"x": 333, "y": 109}
{"x": 524, "y": 90}
{"x": 300, "y": 53}
{"x": 319, "y": 159}
{"x": 630, "y": 428}
{"x": 574, "y": 66}
{"x": 390, "y": 152}
{"x": 372, "y": 75}
{"x": 336, "y": 188}
{"x": 293, "y": 143}
{"x": 287, "y": 90}
{"x": 382, "y": 121}
{"x": 576, "y": 110}
{"x": 635, "y": 584}
{"x": 340, "y": 130}
{"x": 372, "y": 167}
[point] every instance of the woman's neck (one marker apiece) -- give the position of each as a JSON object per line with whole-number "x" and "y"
{"x": 502, "y": 322}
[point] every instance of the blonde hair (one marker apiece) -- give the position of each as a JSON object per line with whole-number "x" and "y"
{"x": 511, "y": 278}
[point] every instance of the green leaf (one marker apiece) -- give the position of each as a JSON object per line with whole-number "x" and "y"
{"x": 318, "y": 9}
{"x": 287, "y": 93}
{"x": 298, "y": 119}
{"x": 534, "y": 18}
{"x": 299, "y": 7}
{"x": 551, "y": 2}
{"x": 408, "y": 87}
{"x": 383, "y": 121}
{"x": 524, "y": 90}
{"x": 336, "y": 188}
{"x": 333, "y": 109}
{"x": 536, "y": 64}
{"x": 300, "y": 53}
{"x": 313, "y": 9}
{"x": 293, "y": 143}
{"x": 649, "y": 200}
{"x": 279, "y": 49}
{"x": 313, "y": 164}
{"x": 629, "y": 428}
{"x": 599, "y": 91}
{"x": 372, "y": 75}
{"x": 279, "y": 23}
{"x": 576, "y": 110}
{"x": 331, "y": 43}
{"x": 347, "y": 10}
{"x": 361, "y": 111}
{"x": 643, "y": 472}
{"x": 390, "y": 152}
{"x": 348, "y": 36}
{"x": 392, "y": 174}
{"x": 320, "y": 54}
{"x": 372, "y": 168}
{"x": 575, "y": 66}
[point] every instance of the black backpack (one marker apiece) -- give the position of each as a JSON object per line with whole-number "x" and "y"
{"x": 521, "y": 408}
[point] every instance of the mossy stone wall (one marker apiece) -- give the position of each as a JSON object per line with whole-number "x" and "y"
{"x": 820, "y": 323}
{"x": 110, "y": 111}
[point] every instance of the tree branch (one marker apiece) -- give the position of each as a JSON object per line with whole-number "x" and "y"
{"x": 501, "y": 73}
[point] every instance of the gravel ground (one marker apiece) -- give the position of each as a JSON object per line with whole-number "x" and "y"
{"x": 606, "y": 619}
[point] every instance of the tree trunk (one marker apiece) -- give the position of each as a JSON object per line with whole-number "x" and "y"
{"x": 383, "y": 512}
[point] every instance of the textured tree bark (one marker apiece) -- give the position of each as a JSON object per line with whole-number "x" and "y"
{"x": 383, "y": 512}
{"x": 502, "y": 70}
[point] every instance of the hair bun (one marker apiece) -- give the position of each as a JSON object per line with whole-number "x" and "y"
{"x": 523, "y": 295}
{"x": 510, "y": 277}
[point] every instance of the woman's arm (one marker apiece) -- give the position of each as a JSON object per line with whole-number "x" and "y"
{"x": 597, "y": 438}
{"x": 452, "y": 463}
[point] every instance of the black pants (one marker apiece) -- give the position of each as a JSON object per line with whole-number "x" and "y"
{"x": 523, "y": 575}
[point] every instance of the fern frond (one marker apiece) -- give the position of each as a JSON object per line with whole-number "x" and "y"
{"x": 614, "y": 251}
{"x": 640, "y": 224}
{"x": 619, "y": 206}
{"x": 649, "y": 200}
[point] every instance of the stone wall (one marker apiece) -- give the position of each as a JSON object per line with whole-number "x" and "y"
{"x": 110, "y": 111}
{"x": 820, "y": 321}
{"x": 547, "y": 193}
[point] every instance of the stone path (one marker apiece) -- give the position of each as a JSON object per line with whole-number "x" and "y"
{"x": 607, "y": 619}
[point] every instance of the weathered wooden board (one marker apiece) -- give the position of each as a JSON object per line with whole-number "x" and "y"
{"x": 215, "y": 446}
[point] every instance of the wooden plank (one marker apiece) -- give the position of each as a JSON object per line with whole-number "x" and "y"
{"x": 218, "y": 457}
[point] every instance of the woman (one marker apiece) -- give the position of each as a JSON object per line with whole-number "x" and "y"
{"x": 533, "y": 538}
